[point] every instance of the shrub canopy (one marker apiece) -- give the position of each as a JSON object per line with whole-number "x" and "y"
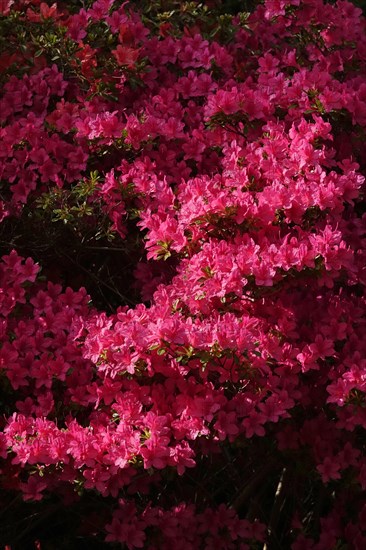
{"x": 182, "y": 280}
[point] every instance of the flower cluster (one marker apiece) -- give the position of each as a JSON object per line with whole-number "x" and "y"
{"x": 228, "y": 151}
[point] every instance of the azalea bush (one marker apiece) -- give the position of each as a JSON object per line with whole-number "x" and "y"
{"x": 182, "y": 275}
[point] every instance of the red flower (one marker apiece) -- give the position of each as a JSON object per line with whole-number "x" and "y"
{"x": 126, "y": 56}
{"x": 5, "y": 6}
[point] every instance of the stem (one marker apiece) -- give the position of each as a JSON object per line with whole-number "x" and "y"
{"x": 11, "y": 503}
{"x": 250, "y": 486}
{"x": 98, "y": 280}
{"x": 279, "y": 500}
